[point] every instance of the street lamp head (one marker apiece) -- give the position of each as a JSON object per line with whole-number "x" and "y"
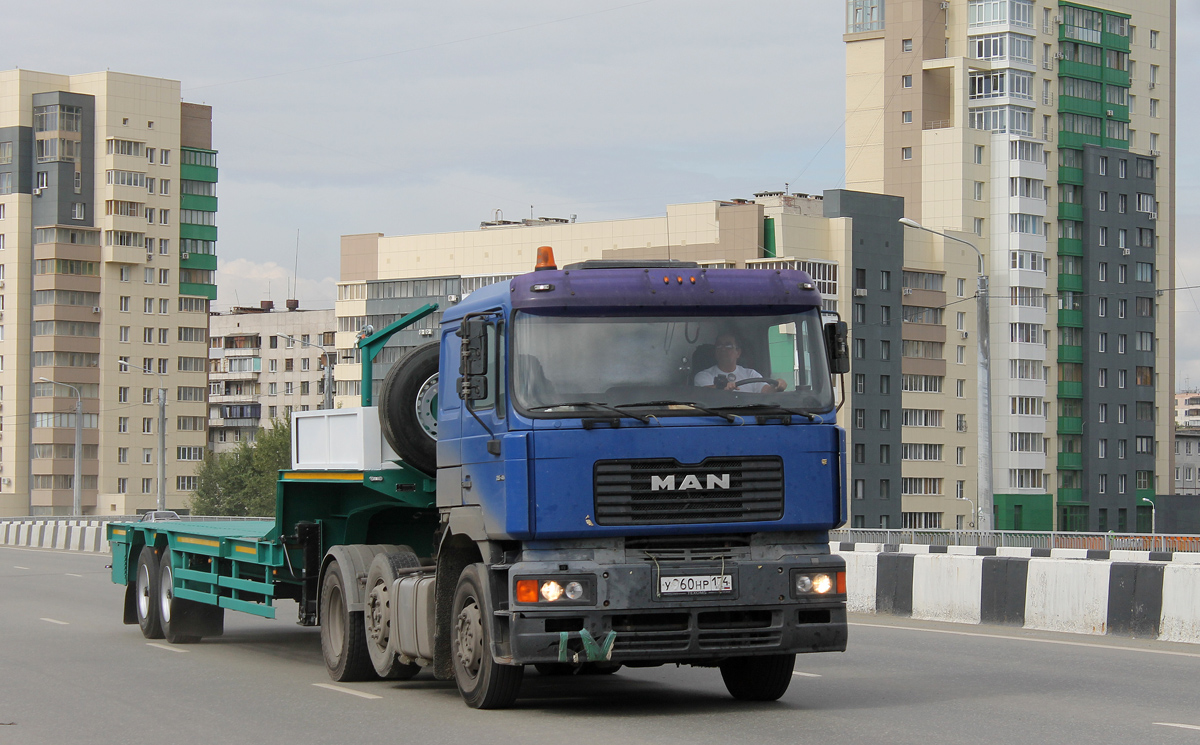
{"x": 908, "y": 223}
{"x": 45, "y": 379}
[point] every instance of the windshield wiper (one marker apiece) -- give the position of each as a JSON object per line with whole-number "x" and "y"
{"x": 644, "y": 419}
{"x": 773, "y": 407}
{"x": 672, "y": 402}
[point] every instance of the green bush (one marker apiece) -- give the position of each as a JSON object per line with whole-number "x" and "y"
{"x": 242, "y": 482}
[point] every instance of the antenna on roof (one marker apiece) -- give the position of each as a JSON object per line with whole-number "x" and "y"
{"x": 295, "y": 267}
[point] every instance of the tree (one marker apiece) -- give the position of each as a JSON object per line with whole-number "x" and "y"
{"x": 242, "y": 482}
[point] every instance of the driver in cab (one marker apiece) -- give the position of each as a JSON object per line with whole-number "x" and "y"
{"x": 727, "y": 373}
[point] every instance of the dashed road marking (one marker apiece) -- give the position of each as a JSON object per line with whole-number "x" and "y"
{"x": 17, "y": 567}
{"x": 1180, "y": 726}
{"x": 167, "y": 647}
{"x": 1028, "y": 639}
{"x": 69, "y": 574}
{"x": 351, "y": 691}
{"x": 805, "y": 675}
{"x": 52, "y": 620}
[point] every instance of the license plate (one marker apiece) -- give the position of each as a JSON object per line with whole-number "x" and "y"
{"x": 695, "y": 584}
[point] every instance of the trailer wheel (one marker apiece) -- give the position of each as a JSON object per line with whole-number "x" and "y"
{"x": 146, "y": 593}
{"x": 172, "y": 611}
{"x": 483, "y": 682}
{"x": 408, "y": 408}
{"x": 343, "y": 639}
{"x": 379, "y": 612}
{"x": 758, "y": 678}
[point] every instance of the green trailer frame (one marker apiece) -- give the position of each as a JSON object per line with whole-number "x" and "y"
{"x": 245, "y": 565}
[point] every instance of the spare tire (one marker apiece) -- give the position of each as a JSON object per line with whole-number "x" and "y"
{"x": 408, "y": 408}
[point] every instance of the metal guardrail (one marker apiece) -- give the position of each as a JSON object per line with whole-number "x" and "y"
{"x": 1022, "y": 539}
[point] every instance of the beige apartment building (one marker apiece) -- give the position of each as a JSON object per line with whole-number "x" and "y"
{"x": 263, "y": 365}
{"x": 900, "y": 293}
{"x": 107, "y": 252}
{"x": 1044, "y": 133}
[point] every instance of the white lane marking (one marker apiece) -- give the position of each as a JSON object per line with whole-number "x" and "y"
{"x": 1180, "y": 726}
{"x": 69, "y": 574}
{"x": 351, "y": 691}
{"x": 17, "y": 567}
{"x": 167, "y": 647}
{"x": 60, "y": 623}
{"x": 1028, "y": 639}
{"x": 805, "y": 675}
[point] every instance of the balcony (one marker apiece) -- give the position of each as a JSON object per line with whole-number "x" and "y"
{"x": 233, "y": 398}
{"x": 1070, "y": 247}
{"x": 1073, "y": 318}
{"x": 243, "y": 352}
{"x": 1071, "y": 461}
{"x": 1080, "y": 70}
{"x": 1073, "y": 105}
{"x": 1070, "y": 389}
{"x": 1068, "y": 175}
{"x": 1073, "y": 282}
{"x": 1076, "y": 140}
{"x": 1070, "y": 425}
{"x": 1115, "y": 41}
{"x": 234, "y": 375}
{"x": 1116, "y": 77}
{"x": 1070, "y": 354}
{"x": 1068, "y": 211}
{"x": 1070, "y": 496}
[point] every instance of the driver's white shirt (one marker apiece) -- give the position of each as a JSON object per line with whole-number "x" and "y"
{"x": 705, "y": 378}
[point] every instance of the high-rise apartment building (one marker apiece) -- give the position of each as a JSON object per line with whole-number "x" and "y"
{"x": 263, "y": 365}
{"x": 1043, "y": 133}
{"x": 107, "y": 236}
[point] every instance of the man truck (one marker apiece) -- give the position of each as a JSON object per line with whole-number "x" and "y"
{"x": 550, "y": 484}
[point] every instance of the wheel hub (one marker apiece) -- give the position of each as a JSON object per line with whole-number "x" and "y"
{"x": 143, "y": 591}
{"x": 426, "y": 406}
{"x": 469, "y": 628}
{"x": 378, "y": 623}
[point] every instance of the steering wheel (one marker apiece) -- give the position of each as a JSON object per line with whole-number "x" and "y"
{"x": 774, "y": 383}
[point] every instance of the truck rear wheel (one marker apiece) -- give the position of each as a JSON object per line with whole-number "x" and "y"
{"x": 758, "y": 678}
{"x": 380, "y": 611}
{"x": 146, "y": 593}
{"x": 172, "y": 611}
{"x": 483, "y": 682}
{"x": 408, "y": 408}
{"x": 343, "y": 638}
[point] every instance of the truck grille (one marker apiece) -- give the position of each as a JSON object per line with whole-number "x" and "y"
{"x": 655, "y": 491}
{"x": 687, "y": 549}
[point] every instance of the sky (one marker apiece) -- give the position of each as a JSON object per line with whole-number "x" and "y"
{"x": 400, "y": 118}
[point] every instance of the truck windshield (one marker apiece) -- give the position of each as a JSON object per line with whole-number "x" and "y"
{"x": 668, "y": 365}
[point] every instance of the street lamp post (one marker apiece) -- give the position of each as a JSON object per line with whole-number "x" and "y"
{"x": 974, "y": 510}
{"x": 985, "y": 378}
{"x": 77, "y": 486}
{"x": 162, "y": 436}
{"x": 1153, "y": 516}
{"x": 327, "y": 402}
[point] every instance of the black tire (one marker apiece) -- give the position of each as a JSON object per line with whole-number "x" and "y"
{"x": 146, "y": 593}
{"x": 601, "y": 668}
{"x": 758, "y": 678}
{"x": 343, "y": 639}
{"x": 172, "y": 611}
{"x": 380, "y": 611}
{"x": 411, "y": 435}
{"x": 483, "y": 682}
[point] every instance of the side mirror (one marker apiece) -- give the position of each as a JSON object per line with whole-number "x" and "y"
{"x": 837, "y": 347}
{"x": 473, "y": 360}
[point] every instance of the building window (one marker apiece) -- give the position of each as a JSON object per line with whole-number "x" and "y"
{"x": 978, "y": 191}
{"x": 906, "y": 81}
{"x": 906, "y": 117}
{"x": 860, "y": 418}
{"x": 906, "y": 45}
{"x": 906, "y": 153}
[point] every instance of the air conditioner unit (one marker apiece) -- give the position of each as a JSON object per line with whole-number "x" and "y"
{"x": 1059, "y": 55}
{"x": 452, "y": 298}
{"x": 1155, "y": 153}
{"x": 860, "y": 293}
{"x": 1152, "y": 215}
{"x": 1111, "y": 112}
{"x": 1124, "y": 251}
{"x": 1153, "y": 86}
{"x": 963, "y": 334}
{"x": 185, "y": 256}
{"x": 1058, "y": 19}
{"x": 945, "y": 5}
{"x": 907, "y": 291}
{"x": 425, "y": 332}
{"x": 95, "y": 308}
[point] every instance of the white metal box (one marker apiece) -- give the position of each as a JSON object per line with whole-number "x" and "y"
{"x": 339, "y": 440}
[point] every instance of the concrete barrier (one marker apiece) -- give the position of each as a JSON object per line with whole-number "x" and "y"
{"x": 947, "y": 588}
{"x": 72, "y": 535}
{"x": 1180, "y": 603}
{"x": 1067, "y": 596}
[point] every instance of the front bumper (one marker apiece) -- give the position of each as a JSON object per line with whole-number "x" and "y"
{"x": 629, "y": 621}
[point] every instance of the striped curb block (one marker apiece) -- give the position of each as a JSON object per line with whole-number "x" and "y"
{"x": 1180, "y": 557}
{"x": 1138, "y": 599}
{"x": 70, "y": 535}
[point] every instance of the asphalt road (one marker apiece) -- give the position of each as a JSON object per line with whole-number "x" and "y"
{"x": 70, "y": 671}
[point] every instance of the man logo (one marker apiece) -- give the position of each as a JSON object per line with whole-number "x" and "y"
{"x": 690, "y": 481}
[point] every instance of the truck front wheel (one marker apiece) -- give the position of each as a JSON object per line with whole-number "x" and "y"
{"x": 483, "y": 682}
{"x": 343, "y": 638}
{"x": 758, "y": 678}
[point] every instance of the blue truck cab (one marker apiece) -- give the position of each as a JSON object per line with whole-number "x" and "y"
{"x": 630, "y": 505}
